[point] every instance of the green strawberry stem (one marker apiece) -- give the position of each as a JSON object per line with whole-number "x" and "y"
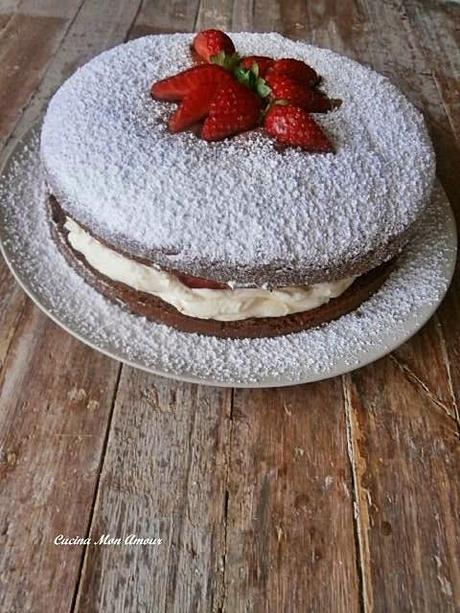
{"x": 229, "y": 62}
{"x": 249, "y": 78}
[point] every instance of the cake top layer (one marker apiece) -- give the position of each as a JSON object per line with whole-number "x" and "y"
{"x": 237, "y": 210}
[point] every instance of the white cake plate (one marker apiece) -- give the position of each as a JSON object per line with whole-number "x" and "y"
{"x": 401, "y": 307}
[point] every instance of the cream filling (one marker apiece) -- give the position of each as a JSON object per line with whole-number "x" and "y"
{"x": 219, "y": 304}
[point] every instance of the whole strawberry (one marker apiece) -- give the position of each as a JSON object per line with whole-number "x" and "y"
{"x": 179, "y": 85}
{"x": 209, "y": 43}
{"x": 234, "y": 109}
{"x": 295, "y": 69}
{"x": 291, "y": 125}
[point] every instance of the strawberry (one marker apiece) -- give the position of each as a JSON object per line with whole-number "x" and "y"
{"x": 193, "y": 108}
{"x": 285, "y": 88}
{"x": 199, "y": 283}
{"x": 179, "y": 85}
{"x": 295, "y": 69}
{"x": 209, "y": 43}
{"x": 263, "y": 63}
{"x": 291, "y": 125}
{"x": 234, "y": 109}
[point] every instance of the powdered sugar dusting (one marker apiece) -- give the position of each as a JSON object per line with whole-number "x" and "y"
{"x": 395, "y": 312}
{"x": 237, "y": 210}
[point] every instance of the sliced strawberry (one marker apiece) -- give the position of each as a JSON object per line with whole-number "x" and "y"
{"x": 295, "y": 69}
{"x": 291, "y": 125}
{"x": 263, "y": 62}
{"x": 234, "y": 109}
{"x": 209, "y": 43}
{"x": 198, "y": 283}
{"x": 286, "y": 88}
{"x": 193, "y": 108}
{"x": 179, "y": 85}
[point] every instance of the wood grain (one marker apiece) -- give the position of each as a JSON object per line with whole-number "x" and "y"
{"x": 12, "y": 302}
{"x": 435, "y": 26}
{"x": 27, "y": 45}
{"x": 163, "y": 476}
{"x": 406, "y": 463}
{"x": 290, "y": 536}
{"x": 163, "y": 17}
{"x": 51, "y": 439}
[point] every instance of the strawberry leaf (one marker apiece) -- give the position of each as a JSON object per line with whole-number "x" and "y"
{"x": 251, "y": 79}
{"x": 262, "y": 88}
{"x": 246, "y": 77}
{"x": 229, "y": 62}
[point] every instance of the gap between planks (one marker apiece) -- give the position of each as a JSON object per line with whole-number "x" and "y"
{"x": 96, "y": 490}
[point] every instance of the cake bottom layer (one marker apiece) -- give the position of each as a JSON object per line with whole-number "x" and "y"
{"x": 155, "y": 309}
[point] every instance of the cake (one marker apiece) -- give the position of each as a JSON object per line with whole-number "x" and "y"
{"x": 238, "y": 237}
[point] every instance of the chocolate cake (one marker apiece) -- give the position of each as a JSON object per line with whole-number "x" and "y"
{"x": 233, "y": 238}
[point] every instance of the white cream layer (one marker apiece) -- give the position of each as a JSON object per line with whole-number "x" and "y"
{"x": 219, "y": 304}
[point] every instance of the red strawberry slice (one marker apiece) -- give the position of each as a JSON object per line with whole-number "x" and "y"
{"x": 208, "y": 43}
{"x": 286, "y": 88}
{"x": 198, "y": 283}
{"x": 193, "y": 108}
{"x": 295, "y": 69}
{"x": 179, "y": 85}
{"x": 291, "y": 125}
{"x": 234, "y": 109}
{"x": 262, "y": 61}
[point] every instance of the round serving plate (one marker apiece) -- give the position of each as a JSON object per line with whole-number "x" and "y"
{"x": 400, "y": 308}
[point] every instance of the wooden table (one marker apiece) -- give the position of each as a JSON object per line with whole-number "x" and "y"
{"x": 338, "y": 496}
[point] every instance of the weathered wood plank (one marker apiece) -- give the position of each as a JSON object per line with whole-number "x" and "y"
{"x": 12, "y": 303}
{"x": 215, "y": 15}
{"x": 26, "y": 46}
{"x": 55, "y": 402}
{"x": 406, "y": 462}
{"x": 164, "y": 16}
{"x": 423, "y": 360}
{"x": 4, "y": 19}
{"x": 435, "y": 25}
{"x": 9, "y": 6}
{"x": 163, "y": 476}
{"x": 47, "y": 8}
{"x": 290, "y": 540}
